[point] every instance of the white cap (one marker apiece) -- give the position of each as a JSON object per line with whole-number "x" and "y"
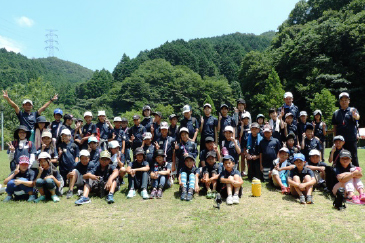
{"x": 117, "y": 119}
{"x": 184, "y": 129}
{"x": 47, "y": 134}
{"x": 164, "y": 125}
{"x": 341, "y": 95}
{"x": 339, "y": 137}
{"x": 88, "y": 113}
{"x": 288, "y": 94}
{"x": 186, "y": 108}
{"x": 207, "y": 104}
{"x": 228, "y": 129}
{"x": 84, "y": 152}
{"x": 303, "y": 113}
{"x": 92, "y": 139}
{"x": 284, "y": 149}
{"x": 113, "y": 144}
{"x": 316, "y": 112}
{"x": 147, "y": 135}
{"x": 101, "y": 113}
{"x": 314, "y": 152}
{"x": 44, "y": 155}
{"x": 27, "y": 101}
{"x": 66, "y": 132}
{"x": 245, "y": 115}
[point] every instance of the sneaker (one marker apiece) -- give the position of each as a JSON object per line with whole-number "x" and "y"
{"x": 309, "y": 199}
{"x": 235, "y": 199}
{"x": 8, "y": 198}
{"x": 110, "y": 198}
{"x": 243, "y": 174}
{"x": 31, "y": 198}
{"x": 83, "y": 200}
{"x": 183, "y": 194}
{"x": 131, "y": 193}
{"x": 79, "y": 193}
{"x": 353, "y": 200}
{"x": 283, "y": 190}
{"x": 302, "y": 199}
{"x": 153, "y": 193}
{"x": 41, "y": 198}
{"x": 214, "y": 194}
{"x": 189, "y": 197}
{"x": 55, "y": 198}
{"x": 229, "y": 200}
{"x": 362, "y": 197}
{"x": 2, "y": 189}
{"x": 209, "y": 194}
{"x": 159, "y": 193}
{"x": 69, "y": 194}
{"x": 144, "y": 194}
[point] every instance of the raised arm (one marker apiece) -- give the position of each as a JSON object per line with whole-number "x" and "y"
{"x": 11, "y": 103}
{"x": 55, "y": 97}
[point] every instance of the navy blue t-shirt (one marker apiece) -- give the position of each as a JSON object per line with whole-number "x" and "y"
{"x": 302, "y": 174}
{"x": 301, "y": 129}
{"x": 173, "y": 132}
{"x": 269, "y": 149}
{"x": 105, "y": 173}
{"x": 136, "y": 165}
{"x": 149, "y": 153}
{"x": 167, "y": 145}
{"x": 346, "y": 124}
{"x": 309, "y": 145}
{"x": 156, "y": 131}
{"x": 187, "y": 170}
{"x": 188, "y": 147}
{"x": 209, "y": 126}
{"x": 339, "y": 169}
{"x": 88, "y": 130}
{"x": 28, "y": 119}
{"x": 28, "y": 174}
{"x": 53, "y": 172}
{"x": 103, "y": 129}
{"x": 119, "y": 136}
{"x": 94, "y": 156}
{"x": 83, "y": 169}
{"x": 226, "y": 121}
{"x": 138, "y": 133}
{"x": 191, "y": 124}
{"x": 253, "y": 148}
{"x": 230, "y": 146}
{"x": 291, "y": 109}
{"x": 225, "y": 174}
{"x": 67, "y": 159}
{"x": 56, "y": 128}
{"x": 147, "y": 122}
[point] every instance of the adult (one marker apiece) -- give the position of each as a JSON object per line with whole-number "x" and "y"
{"x": 289, "y": 107}
{"x": 344, "y": 124}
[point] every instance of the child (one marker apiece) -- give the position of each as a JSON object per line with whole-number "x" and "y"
{"x": 56, "y": 125}
{"x": 293, "y": 149}
{"x": 289, "y": 127}
{"x": 78, "y": 132}
{"x": 40, "y": 127}
{"x": 88, "y": 130}
{"x": 318, "y": 167}
{"x": 160, "y": 174}
{"x": 232, "y": 180}
{"x": 138, "y": 174}
{"x": 117, "y": 158}
{"x": 320, "y": 129}
{"x": 244, "y": 130}
{"x": 76, "y": 176}
{"x": 148, "y": 148}
{"x": 155, "y": 128}
{"x": 210, "y": 174}
{"x": 103, "y": 128}
{"x": 182, "y": 149}
{"x": 21, "y": 146}
{"x": 302, "y": 124}
{"x": 27, "y": 117}
{"x": 187, "y": 178}
{"x": 208, "y": 126}
{"x": 250, "y": 147}
{"x": 173, "y": 128}
{"x": 93, "y": 150}
{"x": 49, "y": 182}
{"x": 280, "y": 170}
{"x": 275, "y": 124}
{"x": 68, "y": 154}
{"x": 210, "y": 146}
{"x": 102, "y": 179}
{"x": 118, "y": 134}
{"x": 338, "y": 142}
{"x": 268, "y": 148}
{"x": 20, "y": 182}
{"x": 224, "y": 120}
{"x": 309, "y": 142}
{"x": 260, "y": 119}
{"x": 191, "y": 123}
{"x": 232, "y": 145}
{"x": 165, "y": 142}
{"x": 301, "y": 180}
{"x": 47, "y": 146}
{"x": 147, "y": 119}
{"x": 136, "y": 133}
{"x": 349, "y": 177}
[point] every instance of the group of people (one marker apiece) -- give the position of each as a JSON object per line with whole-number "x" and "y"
{"x": 285, "y": 150}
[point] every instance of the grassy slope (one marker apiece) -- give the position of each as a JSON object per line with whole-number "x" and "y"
{"x": 271, "y": 217}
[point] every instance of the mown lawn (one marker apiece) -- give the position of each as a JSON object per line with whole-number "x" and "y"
{"x": 269, "y": 218}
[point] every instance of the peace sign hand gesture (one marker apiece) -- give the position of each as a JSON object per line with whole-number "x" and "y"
{"x": 11, "y": 147}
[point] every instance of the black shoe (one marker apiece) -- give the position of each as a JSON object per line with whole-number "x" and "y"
{"x": 183, "y": 194}
{"x": 189, "y": 197}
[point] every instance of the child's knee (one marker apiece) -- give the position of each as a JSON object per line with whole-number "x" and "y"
{"x": 11, "y": 183}
{"x": 296, "y": 178}
{"x": 50, "y": 184}
{"x": 307, "y": 178}
{"x": 39, "y": 183}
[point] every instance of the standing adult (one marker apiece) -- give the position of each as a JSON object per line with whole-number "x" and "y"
{"x": 344, "y": 124}
{"x": 289, "y": 107}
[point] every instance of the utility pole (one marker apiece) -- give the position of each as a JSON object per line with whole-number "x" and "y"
{"x": 2, "y": 127}
{"x": 51, "y": 41}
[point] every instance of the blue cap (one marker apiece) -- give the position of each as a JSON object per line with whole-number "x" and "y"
{"x": 228, "y": 157}
{"x": 58, "y": 111}
{"x": 299, "y": 156}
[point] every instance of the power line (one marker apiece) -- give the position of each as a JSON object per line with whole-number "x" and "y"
{"x": 50, "y": 41}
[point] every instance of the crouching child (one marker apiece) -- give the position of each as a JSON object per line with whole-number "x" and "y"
{"x": 301, "y": 180}
{"x": 210, "y": 174}
{"x": 188, "y": 180}
{"x": 160, "y": 174}
{"x": 232, "y": 180}
{"x": 102, "y": 179}
{"x": 280, "y": 170}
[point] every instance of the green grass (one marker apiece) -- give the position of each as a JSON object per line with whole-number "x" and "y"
{"x": 269, "y": 218}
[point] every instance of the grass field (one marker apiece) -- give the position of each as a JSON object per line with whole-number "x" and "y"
{"x": 269, "y": 218}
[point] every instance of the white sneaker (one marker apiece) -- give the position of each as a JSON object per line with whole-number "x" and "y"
{"x": 229, "y": 200}
{"x": 131, "y": 193}
{"x": 235, "y": 199}
{"x": 2, "y": 189}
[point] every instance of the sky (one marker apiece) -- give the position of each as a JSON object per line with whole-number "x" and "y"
{"x": 95, "y": 34}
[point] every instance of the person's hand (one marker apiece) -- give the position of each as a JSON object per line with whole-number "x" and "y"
{"x": 18, "y": 182}
{"x": 181, "y": 184}
{"x": 5, "y": 94}
{"x": 197, "y": 189}
{"x": 133, "y": 137}
{"x": 77, "y": 126}
{"x": 277, "y": 167}
{"x": 108, "y": 185}
{"x": 59, "y": 151}
{"x": 304, "y": 136}
{"x": 220, "y": 116}
{"x": 11, "y": 147}
{"x": 301, "y": 187}
{"x": 133, "y": 172}
{"x": 234, "y": 140}
{"x": 201, "y": 121}
{"x": 176, "y": 146}
{"x": 322, "y": 169}
{"x": 40, "y": 169}
{"x": 97, "y": 178}
{"x": 333, "y": 148}
{"x": 324, "y": 125}
{"x": 285, "y": 124}
{"x": 44, "y": 146}
{"x": 186, "y": 154}
{"x": 354, "y": 113}
{"x": 16, "y": 171}
{"x": 114, "y": 136}
{"x": 284, "y": 145}
{"x": 48, "y": 177}
{"x": 215, "y": 148}
{"x": 123, "y": 152}
{"x": 157, "y": 146}
{"x": 55, "y": 97}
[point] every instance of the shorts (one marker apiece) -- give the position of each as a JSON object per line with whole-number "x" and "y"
{"x": 80, "y": 180}
{"x": 98, "y": 186}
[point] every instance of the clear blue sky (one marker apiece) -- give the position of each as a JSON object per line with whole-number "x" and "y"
{"x": 95, "y": 34}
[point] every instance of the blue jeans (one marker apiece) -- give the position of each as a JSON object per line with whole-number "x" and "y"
{"x": 47, "y": 184}
{"x": 140, "y": 180}
{"x": 161, "y": 182}
{"x": 11, "y": 187}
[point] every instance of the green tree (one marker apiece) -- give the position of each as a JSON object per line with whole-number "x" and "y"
{"x": 324, "y": 101}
